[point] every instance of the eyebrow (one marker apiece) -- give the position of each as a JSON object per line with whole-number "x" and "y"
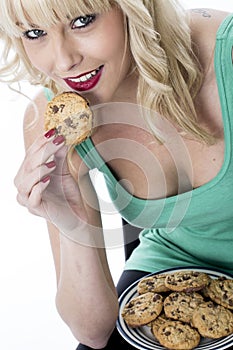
{"x": 32, "y": 25}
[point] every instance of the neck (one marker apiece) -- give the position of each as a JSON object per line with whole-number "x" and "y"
{"x": 127, "y": 92}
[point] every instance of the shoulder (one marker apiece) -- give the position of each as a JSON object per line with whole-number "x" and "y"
{"x": 204, "y": 24}
{"x": 206, "y": 21}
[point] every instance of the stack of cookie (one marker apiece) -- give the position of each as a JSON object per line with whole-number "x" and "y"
{"x": 182, "y": 307}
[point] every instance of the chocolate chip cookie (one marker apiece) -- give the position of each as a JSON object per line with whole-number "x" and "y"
{"x": 142, "y": 309}
{"x": 187, "y": 281}
{"x": 158, "y": 322}
{"x": 180, "y": 305}
{"x": 155, "y": 283}
{"x": 177, "y": 335}
{"x": 213, "y": 320}
{"x": 221, "y": 291}
{"x": 70, "y": 114}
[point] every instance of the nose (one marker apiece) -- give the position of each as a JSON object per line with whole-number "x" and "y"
{"x": 66, "y": 54}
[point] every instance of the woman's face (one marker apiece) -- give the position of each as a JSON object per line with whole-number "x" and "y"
{"x": 87, "y": 54}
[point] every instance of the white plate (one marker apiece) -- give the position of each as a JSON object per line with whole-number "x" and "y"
{"x": 141, "y": 337}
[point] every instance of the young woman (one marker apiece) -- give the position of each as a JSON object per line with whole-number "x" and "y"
{"x": 159, "y": 83}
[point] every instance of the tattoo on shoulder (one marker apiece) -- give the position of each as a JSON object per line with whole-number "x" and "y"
{"x": 205, "y": 13}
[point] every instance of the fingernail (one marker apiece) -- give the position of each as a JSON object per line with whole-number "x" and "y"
{"x": 45, "y": 179}
{"x": 50, "y": 164}
{"x": 50, "y": 133}
{"x": 58, "y": 140}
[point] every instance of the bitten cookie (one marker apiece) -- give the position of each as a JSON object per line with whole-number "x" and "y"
{"x": 221, "y": 291}
{"x": 213, "y": 320}
{"x": 187, "y": 281}
{"x": 142, "y": 309}
{"x": 180, "y": 306}
{"x": 154, "y": 283}
{"x": 71, "y": 116}
{"x": 177, "y": 335}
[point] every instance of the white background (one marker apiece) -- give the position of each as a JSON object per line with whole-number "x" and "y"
{"x": 28, "y": 318}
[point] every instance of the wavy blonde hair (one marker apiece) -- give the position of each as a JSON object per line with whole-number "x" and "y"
{"x": 159, "y": 37}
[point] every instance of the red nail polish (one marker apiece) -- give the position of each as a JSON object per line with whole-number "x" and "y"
{"x": 50, "y": 133}
{"x": 50, "y": 165}
{"x": 46, "y": 179}
{"x": 58, "y": 140}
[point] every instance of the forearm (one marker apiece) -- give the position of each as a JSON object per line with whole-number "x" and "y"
{"x": 86, "y": 297}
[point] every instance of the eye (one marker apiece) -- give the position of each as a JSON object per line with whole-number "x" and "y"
{"x": 83, "y": 21}
{"x": 34, "y": 34}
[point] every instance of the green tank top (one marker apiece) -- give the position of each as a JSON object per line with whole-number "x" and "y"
{"x": 192, "y": 228}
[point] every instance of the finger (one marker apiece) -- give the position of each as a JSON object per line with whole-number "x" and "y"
{"x": 41, "y": 151}
{"x": 35, "y": 202}
{"x": 42, "y": 140}
{"x": 28, "y": 181}
{"x": 45, "y": 153}
{"x": 61, "y": 161}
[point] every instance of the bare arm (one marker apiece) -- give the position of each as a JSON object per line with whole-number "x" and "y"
{"x": 86, "y": 297}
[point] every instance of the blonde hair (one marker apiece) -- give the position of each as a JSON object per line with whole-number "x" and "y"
{"x": 159, "y": 37}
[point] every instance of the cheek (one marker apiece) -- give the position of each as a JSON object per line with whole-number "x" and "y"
{"x": 36, "y": 57}
{"x": 107, "y": 47}
{"x": 109, "y": 40}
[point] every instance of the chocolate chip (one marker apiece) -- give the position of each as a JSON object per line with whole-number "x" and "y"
{"x": 59, "y": 128}
{"x": 69, "y": 122}
{"x": 84, "y": 115}
{"x": 55, "y": 109}
{"x": 131, "y": 312}
{"x": 149, "y": 283}
{"x": 61, "y": 107}
{"x": 156, "y": 297}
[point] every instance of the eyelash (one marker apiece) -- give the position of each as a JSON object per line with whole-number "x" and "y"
{"x": 90, "y": 19}
{"x": 27, "y": 36}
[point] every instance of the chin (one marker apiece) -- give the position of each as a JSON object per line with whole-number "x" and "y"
{"x": 96, "y": 99}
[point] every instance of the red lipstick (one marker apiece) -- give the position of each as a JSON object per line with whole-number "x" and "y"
{"x": 85, "y": 82}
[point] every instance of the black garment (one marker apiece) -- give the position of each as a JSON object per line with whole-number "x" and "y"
{"x": 116, "y": 342}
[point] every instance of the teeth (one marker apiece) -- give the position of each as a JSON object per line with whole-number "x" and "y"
{"x": 85, "y": 77}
